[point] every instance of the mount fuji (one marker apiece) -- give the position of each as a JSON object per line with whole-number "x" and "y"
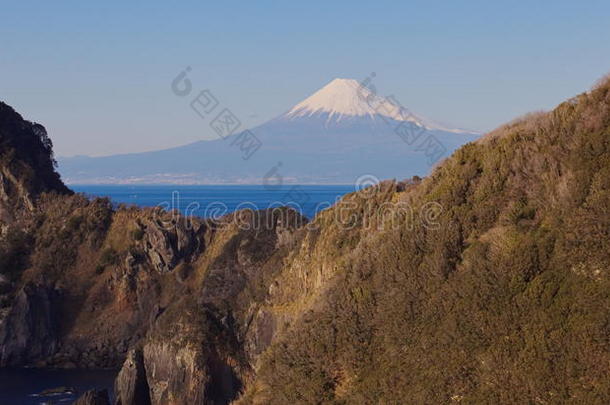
{"x": 338, "y": 134}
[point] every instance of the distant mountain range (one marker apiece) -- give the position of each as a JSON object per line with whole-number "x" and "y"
{"x": 341, "y": 132}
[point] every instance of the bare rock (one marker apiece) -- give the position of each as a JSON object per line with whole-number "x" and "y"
{"x": 168, "y": 240}
{"x": 131, "y": 386}
{"x": 94, "y": 397}
{"x": 29, "y": 332}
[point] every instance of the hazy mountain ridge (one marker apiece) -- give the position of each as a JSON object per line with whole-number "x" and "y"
{"x": 336, "y": 135}
{"x": 501, "y": 296}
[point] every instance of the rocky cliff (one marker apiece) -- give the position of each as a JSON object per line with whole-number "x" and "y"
{"x": 487, "y": 282}
{"x": 27, "y": 167}
{"x": 82, "y": 283}
{"x": 492, "y": 287}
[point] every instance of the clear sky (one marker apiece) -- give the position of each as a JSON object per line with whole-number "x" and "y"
{"x": 98, "y": 74}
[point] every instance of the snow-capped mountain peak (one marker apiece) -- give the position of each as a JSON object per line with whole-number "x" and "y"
{"x": 348, "y": 98}
{"x": 339, "y": 98}
{"x": 332, "y": 137}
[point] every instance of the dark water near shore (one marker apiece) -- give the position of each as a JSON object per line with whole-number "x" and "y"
{"x": 213, "y": 201}
{"x": 21, "y": 386}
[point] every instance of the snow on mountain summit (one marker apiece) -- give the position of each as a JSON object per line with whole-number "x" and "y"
{"x": 345, "y": 98}
{"x": 339, "y": 98}
{"x": 330, "y": 137}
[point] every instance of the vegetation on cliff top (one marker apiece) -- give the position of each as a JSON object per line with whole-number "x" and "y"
{"x": 506, "y": 302}
{"x": 26, "y": 154}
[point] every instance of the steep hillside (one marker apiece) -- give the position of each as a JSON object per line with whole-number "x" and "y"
{"x": 486, "y": 282}
{"x": 83, "y": 284}
{"x": 27, "y": 167}
{"x": 504, "y": 300}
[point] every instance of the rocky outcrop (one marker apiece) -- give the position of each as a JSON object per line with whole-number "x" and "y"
{"x": 191, "y": 357}
{"x": 169, "y": 239}
{"x": 28, "y": 319}
{"x": 27, "y": 167}
{"x": 186, "y": 359}
{"x": 82, "y": 267}
{"x": 29, "y": 332}
{"x": 94, "y": 397}
{"x": 195, "y": 352}
{"x": 131, "y": 385}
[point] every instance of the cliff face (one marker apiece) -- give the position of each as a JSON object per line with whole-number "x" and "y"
{"x": 97, "y": 282}
{"x": 26, "y": 171}
{"x": 197, "y": 350}
{"x": 485, "y": 283}
{"x": 493, "y": 288}
{"x": 81, "y": 283}
{"x": 27, "y": 167}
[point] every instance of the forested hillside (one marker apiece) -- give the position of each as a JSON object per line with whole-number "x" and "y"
{"x": 506, "y": 301}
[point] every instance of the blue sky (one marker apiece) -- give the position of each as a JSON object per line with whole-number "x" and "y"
{"x": 98, "y": 75}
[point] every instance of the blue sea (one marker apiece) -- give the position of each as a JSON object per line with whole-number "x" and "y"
{"x": 214, "y": 201}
